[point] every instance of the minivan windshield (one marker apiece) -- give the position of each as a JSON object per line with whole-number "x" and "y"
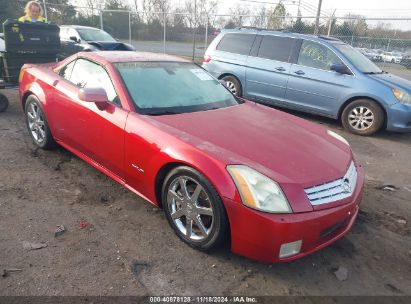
{"x": 161, "y": 88}
{"x": 358, "y": 60}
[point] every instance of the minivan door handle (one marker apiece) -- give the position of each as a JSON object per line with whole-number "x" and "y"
{"x": 281, "y": 69}
{"x": 299, "y": 72}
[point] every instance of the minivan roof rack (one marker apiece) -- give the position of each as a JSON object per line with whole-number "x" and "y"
{"x": 262, "y": 29}
{"x": 249, "y": 28}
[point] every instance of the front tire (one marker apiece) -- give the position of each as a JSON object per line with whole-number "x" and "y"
{"x": 37, "y": 124}
{"x": 233, "y": 85}
{"x": 363, "y": 117}
{"x": 194, "y": 209}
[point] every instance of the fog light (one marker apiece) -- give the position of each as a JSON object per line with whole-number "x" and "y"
{"x": 289, "y": 249}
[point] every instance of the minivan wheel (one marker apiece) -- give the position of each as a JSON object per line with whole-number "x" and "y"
{"x": 363, "y": 117}
{"x": 233, "y": 85}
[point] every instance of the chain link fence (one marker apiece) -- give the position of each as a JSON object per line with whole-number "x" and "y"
{"x": 386, "y": 41}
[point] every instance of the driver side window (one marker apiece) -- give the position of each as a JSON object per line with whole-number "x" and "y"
{"x": 87, "y": 74}
{"x": 316, "y": 55}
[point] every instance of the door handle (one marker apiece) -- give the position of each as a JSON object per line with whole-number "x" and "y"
{"x": 299, "y": 72}
{"x": 55, "y": 82}
{"x": 281, "y": 69}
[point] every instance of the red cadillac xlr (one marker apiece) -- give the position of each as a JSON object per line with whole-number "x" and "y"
{"x": 223, "y": 169}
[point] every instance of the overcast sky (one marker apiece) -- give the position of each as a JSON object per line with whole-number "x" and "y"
{"x": 372, "y": 8}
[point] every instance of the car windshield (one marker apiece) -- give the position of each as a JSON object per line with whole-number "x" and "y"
{"x": 358, "y": 60}
{"x": 95, "y": 35}
{"x": 159, "y": 88}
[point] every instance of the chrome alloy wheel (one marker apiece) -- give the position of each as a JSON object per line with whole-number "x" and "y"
{"x": 231, "y": 86}
{"x": 36, "y": 122}
{"x": 361, "y": 118}
{"x": 190, "y": 208}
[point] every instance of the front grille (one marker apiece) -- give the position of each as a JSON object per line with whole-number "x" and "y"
{"x": 335, "y": 190}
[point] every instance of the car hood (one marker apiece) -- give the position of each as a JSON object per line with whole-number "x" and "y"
{"x": 281, "y": 146}
{"x": 109, "y": 46}
{"x": 392, "y": 81}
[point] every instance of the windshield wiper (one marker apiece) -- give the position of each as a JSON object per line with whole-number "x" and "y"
{"x": 373, "y": 73}
{"x": 166, "y": 112}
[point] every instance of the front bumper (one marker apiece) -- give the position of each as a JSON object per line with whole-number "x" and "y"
{"x": 258, "y": 235}
{"x": 399, "y": 118}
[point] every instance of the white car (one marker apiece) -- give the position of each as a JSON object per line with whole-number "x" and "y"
{"x": 393, "y": 57}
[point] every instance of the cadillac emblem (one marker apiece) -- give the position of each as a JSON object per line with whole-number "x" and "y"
{"x": 346, "y": 187}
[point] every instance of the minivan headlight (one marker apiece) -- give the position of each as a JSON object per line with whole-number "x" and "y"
{"x": 402, "y": 96}
{"x": 258, "y": 191}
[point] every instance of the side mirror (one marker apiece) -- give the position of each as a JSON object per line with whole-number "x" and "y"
{"x": 97, "y": 95}
{"x": 340, "y": 68}
{"x": 74, "y": 38}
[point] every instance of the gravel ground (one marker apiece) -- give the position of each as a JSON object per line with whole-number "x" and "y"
{"x": 127, "y": 247}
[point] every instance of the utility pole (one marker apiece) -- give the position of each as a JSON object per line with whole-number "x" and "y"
{"x": 194, "y": 29}
{"x": 45, "y": 9}
{"x": 317, "y": 19}
{"x": 330, "y": 23}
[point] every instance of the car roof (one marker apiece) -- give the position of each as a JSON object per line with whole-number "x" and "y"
{"x": 80, "y": 27}
{"x": 129, "y": 56}
{"x": 284, "y": 33}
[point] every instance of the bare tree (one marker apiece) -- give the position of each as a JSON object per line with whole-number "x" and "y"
{"x": 239, "y": 15}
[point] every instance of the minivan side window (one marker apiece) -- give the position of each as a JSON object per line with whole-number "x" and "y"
{"x": 236, "y": 43}
{"x": 316, "y": 55}
{"x": 276, "y": 48}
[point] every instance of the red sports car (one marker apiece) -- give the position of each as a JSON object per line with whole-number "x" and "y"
{"x": 223, "y": 169}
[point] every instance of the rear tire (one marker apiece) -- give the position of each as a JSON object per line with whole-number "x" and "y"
{"x": 37, "y": 124}
{"x": 233, "y": 85}
{"x": 4, "y": 103}
{"x": 363, "y": 117}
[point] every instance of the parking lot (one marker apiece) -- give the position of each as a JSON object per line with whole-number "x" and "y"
{"x": 118, "y": 244}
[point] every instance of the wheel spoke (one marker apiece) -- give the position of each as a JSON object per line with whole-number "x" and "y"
{"x": 368, "y": 112}
{"x": 205, "y": 211}
{"x": 30, "y": 116}
{"x": 33, "y": 110}
{"x": 173, "y": 195}
{"x": 189, "y": 227}
{"x": 42, "y": 133}
{"x": 183, "y": 187}
{"x": 200, "y": 225}
{"x": 176, "y": 215}
{"x": 38, "y": 135}
{"x": 196, "y": 193}
{"x": 355, "y": 111}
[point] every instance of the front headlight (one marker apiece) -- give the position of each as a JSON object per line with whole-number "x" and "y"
{"x": 337, "y": 136}
{"x": 258, "y": 191}
{"x": 402, "y": 96}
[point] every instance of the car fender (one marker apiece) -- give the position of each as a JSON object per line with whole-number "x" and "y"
{"x": 362, "y": 95}
{"x": 34, "y": 88}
